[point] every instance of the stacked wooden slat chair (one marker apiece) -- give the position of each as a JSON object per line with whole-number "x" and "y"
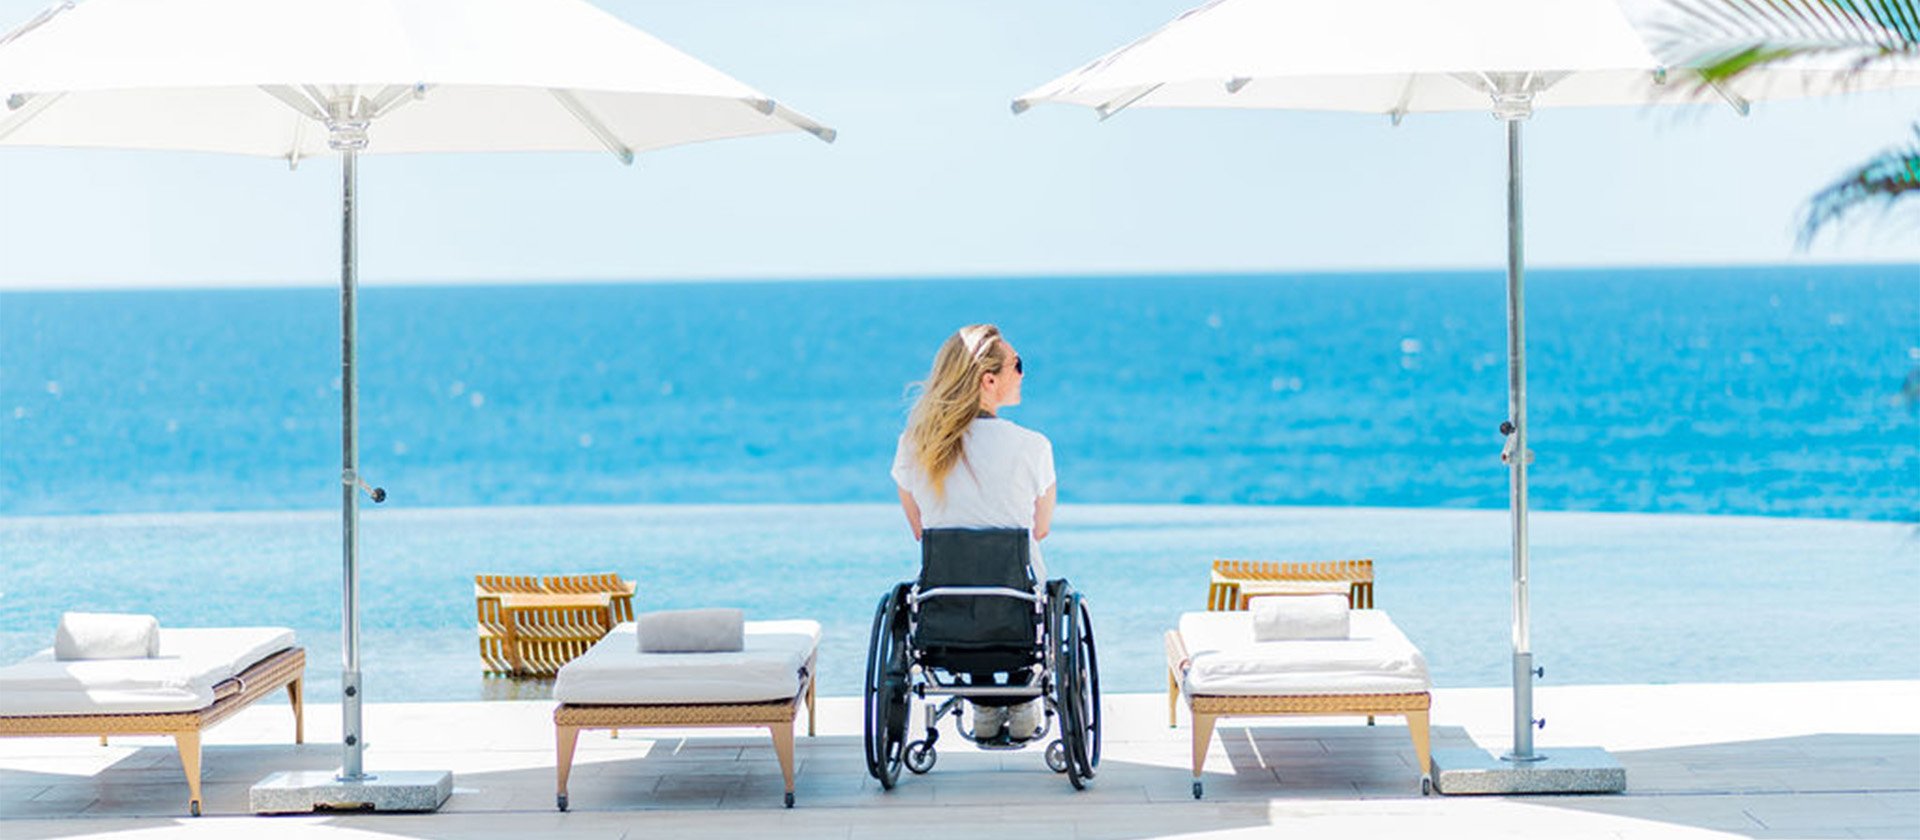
{"x": 530, "y": 626}
{"x": 1230, "y": 577}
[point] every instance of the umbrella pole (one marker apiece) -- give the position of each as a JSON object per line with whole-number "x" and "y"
{"x": 352, "y": 788}
{"x": 1567, "y": 769}
{"x": 1517, "y": 455}
{"x": 350, "y": 765}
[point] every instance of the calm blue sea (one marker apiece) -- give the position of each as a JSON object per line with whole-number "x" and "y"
{"x": 177, "y": 453}
{"x": 1731, "y": 391}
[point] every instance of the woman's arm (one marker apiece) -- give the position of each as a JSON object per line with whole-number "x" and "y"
{"x": 913, "y": 512}
{"x": 1042, "y": 512}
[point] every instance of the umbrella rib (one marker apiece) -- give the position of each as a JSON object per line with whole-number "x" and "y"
{"x": 322, "y": 102}
{"x": 45, "y": 15}
{"x": 30, "y": 106}
{"x": 1399, "y": 111}
{"x": 1108, "y": 108}
{"x": 1478, "y": 81}
{"x": 1740, "y": 104}
{"x": 304, "y": 109}
{"x": 389, "y": 99}
{"x": 770, "y": 108}
{"x": 293, "y": 150}
{"x": 804, "y": 123}
{"x": 593, "y": 124}
{"x": 308, "y": 105}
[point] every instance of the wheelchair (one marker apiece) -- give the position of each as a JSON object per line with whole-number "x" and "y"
{"x": 977, "y": 627}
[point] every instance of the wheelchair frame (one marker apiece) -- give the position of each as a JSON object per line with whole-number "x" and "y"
{"x": 1065, "y": 674}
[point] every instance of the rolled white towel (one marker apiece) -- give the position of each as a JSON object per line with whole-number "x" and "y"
{"x": 1287, "y": 618}
{"x": 693, "y": 631}
{"x": 106, "y": 636}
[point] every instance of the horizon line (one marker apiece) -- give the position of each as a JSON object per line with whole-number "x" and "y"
{"x": 8, "y": 286}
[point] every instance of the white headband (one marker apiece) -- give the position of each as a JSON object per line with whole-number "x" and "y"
{"x": 980, "y": 351}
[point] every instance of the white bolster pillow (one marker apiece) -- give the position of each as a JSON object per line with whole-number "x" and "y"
{"x": 1288, "y": 618}
{"x": 693, "y": 631}
{"x": 106, "y": 636}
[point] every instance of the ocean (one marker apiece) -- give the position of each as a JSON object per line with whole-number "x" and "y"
{"x": 1751, "y": 435}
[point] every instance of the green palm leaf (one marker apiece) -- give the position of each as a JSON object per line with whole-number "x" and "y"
{"x": 1885, "y": 179}
{"x": 1723, "y": 40}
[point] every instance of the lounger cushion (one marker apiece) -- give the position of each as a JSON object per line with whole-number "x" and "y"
{"x": 614, "y": 671}
{"x": 106, "y": 636}
{"x": 181, "y": 679}
{"x": 1225, "y": 660}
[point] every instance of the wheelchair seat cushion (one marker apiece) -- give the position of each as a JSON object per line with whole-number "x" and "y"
{"x": 981, "y": 660}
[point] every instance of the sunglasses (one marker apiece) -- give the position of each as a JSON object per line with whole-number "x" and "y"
{"x": 1019, "y": 367}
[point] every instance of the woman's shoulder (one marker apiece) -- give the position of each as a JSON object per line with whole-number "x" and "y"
{"x": 1021, "y": 433}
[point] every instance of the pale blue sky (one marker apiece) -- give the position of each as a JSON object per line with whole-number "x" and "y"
{"x": 933, "y": 175}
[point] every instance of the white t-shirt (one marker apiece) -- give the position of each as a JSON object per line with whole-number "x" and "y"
{"x": 1003, "y": 470}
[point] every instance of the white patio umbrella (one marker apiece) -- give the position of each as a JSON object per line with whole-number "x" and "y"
{"x": 1397, "y": 57}
{"x": 293, "y": 79}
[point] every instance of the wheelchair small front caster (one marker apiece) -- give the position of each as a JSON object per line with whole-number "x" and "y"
{"x": 1057, "y": 756}
{"x": 920, "y": 757}
{"x": 1196, "y": 790}
{"x": 789, "y": 799}
{"x": 560, "y": 802}
{"x": 194, "y": 807}
{"x": 1426, "y": 785}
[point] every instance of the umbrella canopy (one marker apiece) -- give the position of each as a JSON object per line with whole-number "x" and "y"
{"x": 257, "y": 77}
{"x": 1397, "y": 57}
{"x": 295, "y": 78}
{"x": 1383, "y": 56}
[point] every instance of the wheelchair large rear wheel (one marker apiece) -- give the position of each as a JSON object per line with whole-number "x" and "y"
{"x": 1087, "y": 681}
{"x": 1076, "y": 683}
{"x": 887, "y": 702}
{"x": 1077, "y": 687}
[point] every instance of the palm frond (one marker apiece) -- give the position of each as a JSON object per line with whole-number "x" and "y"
{"x": 1889, "y": 177}
{"x": 1723, "y": 39}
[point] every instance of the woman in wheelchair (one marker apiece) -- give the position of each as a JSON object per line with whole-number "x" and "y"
{"x": 982, "y": 624}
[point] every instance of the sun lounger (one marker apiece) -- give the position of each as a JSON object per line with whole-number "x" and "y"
{"x": 200, "y": 678}
{"x": 1214, "y": 663}
{"x": 615, "y": 686}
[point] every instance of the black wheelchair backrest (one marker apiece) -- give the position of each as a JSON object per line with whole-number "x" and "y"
{"x": 975, "y": 557}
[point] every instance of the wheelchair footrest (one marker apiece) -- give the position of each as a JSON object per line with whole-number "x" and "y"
{"x": 1002, "y": 742}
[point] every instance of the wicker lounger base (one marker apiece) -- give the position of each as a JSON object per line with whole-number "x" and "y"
{"x": 777, "y": 718}
{"x": 1207, "y": 709}
{"x": 283, "y": 669}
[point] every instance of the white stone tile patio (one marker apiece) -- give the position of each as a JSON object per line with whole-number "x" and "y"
{"x": 1838, "y": 760}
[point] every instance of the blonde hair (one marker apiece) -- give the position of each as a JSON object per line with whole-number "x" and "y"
{"x": 950, "y": 399}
